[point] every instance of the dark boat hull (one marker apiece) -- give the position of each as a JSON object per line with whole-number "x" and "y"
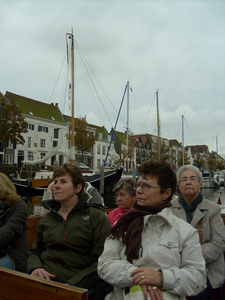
{"x": 111, "y": 177}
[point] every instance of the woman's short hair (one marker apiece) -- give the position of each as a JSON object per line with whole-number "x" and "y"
{"x": 166, "y": 177}
{"x": 189, "y": 168}
{"x": 74, "y": 172}
{"x": 8, "y": 191}
{"x": 127, "y": 184}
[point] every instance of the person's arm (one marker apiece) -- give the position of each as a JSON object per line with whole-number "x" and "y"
{"x": 190, "y": 277}
{"x": 15, "y": 224}
{"x": 216, "y": 246}
{"x": 110, "y": 266}
{"x": 100, "y": 229}
{"x": 48, "y": 192}
{"x": 34, "y": 256}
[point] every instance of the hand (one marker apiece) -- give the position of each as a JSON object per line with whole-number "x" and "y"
{"x": 146, "y": 276}
{"x": 50, "y": 187}
{"x": 40, "y": 272}
{"x": 154, "y": 292}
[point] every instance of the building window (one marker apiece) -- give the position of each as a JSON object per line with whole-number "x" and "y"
{"x": 103, "y": 150}
{"x": 98, "y": 163}
{"x": 42, "y": 143}
{"x": 43, "y": 154}
{"x": 9, "y": 159}
{"x": 42, "y": 128}
{"x": 56, "y": 133}
{"x": 29, "y": 142}
{"x": 30, "y": 155}
{"x": 55, "y": 144}
{"x": 99, "y": 149}
{"x": 29, "y": 126}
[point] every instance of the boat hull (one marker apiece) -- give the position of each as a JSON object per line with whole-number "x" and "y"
{"x": 37, "y": 186}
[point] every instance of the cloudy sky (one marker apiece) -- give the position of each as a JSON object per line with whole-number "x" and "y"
{"x": 176, "y": 47}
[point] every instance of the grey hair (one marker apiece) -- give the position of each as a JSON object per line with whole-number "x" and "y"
{"x": 127, "y": 184}
{"x": 189, "y": 168}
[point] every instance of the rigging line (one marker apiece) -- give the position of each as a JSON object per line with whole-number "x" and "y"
{"x": 64, "y": 90}
{"x": 166, "y": 130}
{"x": 83, "y": 66}
{"x": 115, "y": 126}
{"x": 147, "y": 114}
{"x": 161, "y": 101}
{"x": 93, "y": 85}
{"x": 81, "y": 53}
{"x": 189, "y": 131}
{"x": 57, "y": 79}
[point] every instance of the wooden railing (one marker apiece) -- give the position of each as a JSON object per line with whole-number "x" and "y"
{"x": 20, "y": 286}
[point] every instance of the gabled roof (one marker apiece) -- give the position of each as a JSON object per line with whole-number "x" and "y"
{"x": 174, "y": 143}
{"x": 198, "y": 149}
{"x": 121, "y": 136}
{"x": 36, "y": 108}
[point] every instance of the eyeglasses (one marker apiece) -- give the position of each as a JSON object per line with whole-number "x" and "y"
{"x": 191, "y": 179}
{"x": 146, "y": 186}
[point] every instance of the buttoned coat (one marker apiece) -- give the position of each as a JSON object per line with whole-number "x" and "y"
{"x": 168, "y": 244}
{"x": 213, "y": 239}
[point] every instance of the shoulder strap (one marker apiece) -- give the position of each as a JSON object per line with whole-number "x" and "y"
{"x": 200, "y": 231}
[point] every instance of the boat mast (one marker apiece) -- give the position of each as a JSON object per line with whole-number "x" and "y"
{"x": 127, "y": 159}
{"x": 72, "y": 67}
{"x": 183, "y": 137}
{"x": 217, "y": 154}
{"x": 158, "y": 125}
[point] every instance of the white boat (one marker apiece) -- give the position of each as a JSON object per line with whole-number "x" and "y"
{"x": 208, "y": 180}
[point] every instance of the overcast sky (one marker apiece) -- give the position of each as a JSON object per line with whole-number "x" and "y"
{"x": 175, "y": 47}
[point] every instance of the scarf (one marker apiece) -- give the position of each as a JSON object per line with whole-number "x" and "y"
{"x": 130, "y": 226}
{"x": 190, "y": 209}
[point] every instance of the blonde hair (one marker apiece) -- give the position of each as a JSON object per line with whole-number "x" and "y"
{"x": 8, "y": 191}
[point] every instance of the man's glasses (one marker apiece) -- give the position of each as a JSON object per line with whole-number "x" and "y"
{"x": 146, "y": 186}
{"x": 191, "y": 179}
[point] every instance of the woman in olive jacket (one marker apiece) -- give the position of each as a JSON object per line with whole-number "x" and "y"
{"x": 14, "y": 245}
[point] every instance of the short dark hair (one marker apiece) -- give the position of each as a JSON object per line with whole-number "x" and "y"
{"x": 74, "y": 172}
{"x": 166, "y": 177}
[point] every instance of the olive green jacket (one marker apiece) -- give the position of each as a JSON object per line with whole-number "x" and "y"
{"x": 70, "y": 248}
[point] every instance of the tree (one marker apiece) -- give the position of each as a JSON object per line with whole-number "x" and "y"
{"x": 12, "y": 125}
{"x": 199, "y": 161}
{"x": 165, "y": 155}
{"x": 212, "y": 163}
{"x": 84, "y": 139}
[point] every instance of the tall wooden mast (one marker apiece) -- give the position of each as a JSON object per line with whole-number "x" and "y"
{"x": 158, "y": 124}
{"x": 72, "y": 99}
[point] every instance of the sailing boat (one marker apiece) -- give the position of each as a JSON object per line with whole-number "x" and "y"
{"x": 42, "y": 178}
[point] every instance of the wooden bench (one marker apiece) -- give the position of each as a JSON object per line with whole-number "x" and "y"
{"x": 17, "y": 286}
{"x": 31, "y": 228}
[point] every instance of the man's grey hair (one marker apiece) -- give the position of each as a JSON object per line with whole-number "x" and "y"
{"x": 189, "y": 168}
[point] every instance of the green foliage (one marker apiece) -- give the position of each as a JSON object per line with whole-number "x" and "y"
{"x": 12, "y": 124}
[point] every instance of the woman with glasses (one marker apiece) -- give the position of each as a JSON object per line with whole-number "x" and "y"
{"x": 150, "y": 253}
{"x": 205, "y": 216}
{"x": 125, "y": 193}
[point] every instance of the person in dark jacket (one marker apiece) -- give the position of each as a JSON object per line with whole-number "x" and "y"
{"x": 14, "y": 245}
{"x": 70, "y": 237}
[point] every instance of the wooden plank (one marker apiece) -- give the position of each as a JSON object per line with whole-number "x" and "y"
{"x": 31, "y": 229}
{"x": 17, "y": 286}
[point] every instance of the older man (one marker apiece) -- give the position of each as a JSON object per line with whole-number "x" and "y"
{"x": 205, "y": 216}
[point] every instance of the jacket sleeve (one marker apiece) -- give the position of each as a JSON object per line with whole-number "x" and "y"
{"x": 110, "y": 266}
{"x": 34, "y": 256}
{"x": 190, "y": 277}
{"x": 100, "y": 227}
{"x": 15, "y": 224}
{"x": 216, "y": 245}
